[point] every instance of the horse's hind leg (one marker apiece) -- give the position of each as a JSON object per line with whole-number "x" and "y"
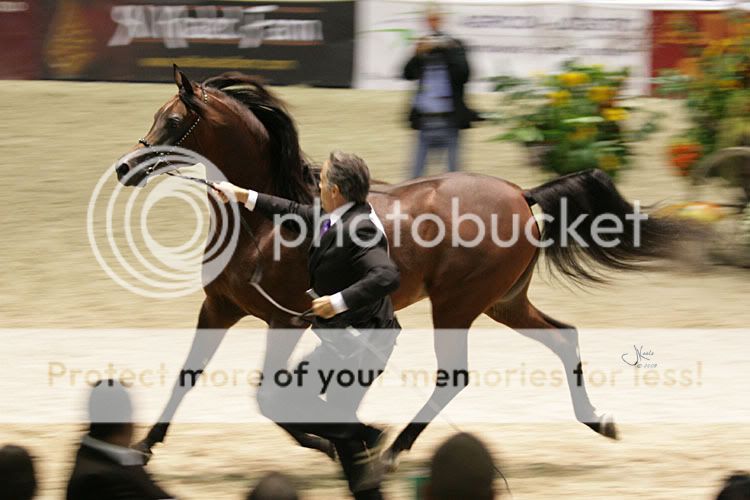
{"x": 451, "y": 351}
{"x": 562, "y": 339}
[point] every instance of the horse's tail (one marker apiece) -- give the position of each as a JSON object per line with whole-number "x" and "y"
{"x": 592, "y": 197}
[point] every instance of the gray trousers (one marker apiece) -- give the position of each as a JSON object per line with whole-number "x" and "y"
{"x": 436, "y": 134}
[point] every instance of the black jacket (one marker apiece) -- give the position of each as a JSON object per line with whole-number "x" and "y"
{"x": 97, "y": 476}
{"x": 365, "y": 275}
{"x": 454, "y": 58}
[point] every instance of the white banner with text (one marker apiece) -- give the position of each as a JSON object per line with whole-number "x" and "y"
{"x": 504, "y": 39}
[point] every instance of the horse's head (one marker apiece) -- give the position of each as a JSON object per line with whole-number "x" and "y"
{"x": 237, "y": 124}
{"x": 175, "y": 124}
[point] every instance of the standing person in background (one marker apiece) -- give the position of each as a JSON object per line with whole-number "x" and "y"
{"x": 438, "y": 110}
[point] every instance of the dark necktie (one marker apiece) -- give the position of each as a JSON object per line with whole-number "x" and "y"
{"x": 325, "y": 227}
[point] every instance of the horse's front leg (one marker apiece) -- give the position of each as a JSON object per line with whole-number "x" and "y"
{"x": 216, "y": 316}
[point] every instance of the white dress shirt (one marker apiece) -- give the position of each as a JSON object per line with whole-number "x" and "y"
{"x": 120, "y": 454}
{"x": 337, "y": 300}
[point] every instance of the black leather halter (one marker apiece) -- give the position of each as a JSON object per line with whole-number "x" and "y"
{"x": 151, "y": 168}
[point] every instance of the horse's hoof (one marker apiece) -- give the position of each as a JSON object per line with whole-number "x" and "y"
{"x": 607, "y": 427}
{"x": 144, "y": 448}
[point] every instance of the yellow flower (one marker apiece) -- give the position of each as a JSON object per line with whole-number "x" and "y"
{"x": 729, "y": 84}
{"x": 583, "y": 133}
{"x": 559, "y": 98}
{"x": 715, "y": 48}
{"x": 609, "y": 162}
{"x": 573, "y": 78}
{"x": 614, "y": 114}
{"x": 601, "y": 94}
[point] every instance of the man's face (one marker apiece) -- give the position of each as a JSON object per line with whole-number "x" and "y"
{"x": 329, "y": 195}
{"x": 434, "y": 21}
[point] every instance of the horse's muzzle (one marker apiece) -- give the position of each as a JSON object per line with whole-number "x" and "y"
{"x": 122, "y": 170}
{"x": 131, "y": 177}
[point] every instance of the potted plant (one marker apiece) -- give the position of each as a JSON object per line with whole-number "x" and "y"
{"x": 572, "y": 120}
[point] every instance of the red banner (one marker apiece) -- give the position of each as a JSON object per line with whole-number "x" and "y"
{"x": 678, "y": 37}
{"x": 287, "y": 42}
{"x": 21, "y": 38}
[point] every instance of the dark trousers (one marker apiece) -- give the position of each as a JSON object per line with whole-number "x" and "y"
{"x": 346, "y": 457}
{"x": 334, "y": 418}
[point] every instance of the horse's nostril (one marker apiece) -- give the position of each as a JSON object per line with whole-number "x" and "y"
{"x": 122, "y": 170}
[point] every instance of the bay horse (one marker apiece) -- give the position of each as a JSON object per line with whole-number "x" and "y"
{"x": 246, "y": 131}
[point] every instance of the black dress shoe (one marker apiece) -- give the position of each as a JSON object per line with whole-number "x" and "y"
{"x": 365, "y": 470}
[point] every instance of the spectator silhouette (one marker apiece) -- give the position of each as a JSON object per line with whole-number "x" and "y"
{"x": 736, "y": 487}
{"x": 17, "y": 478}
{"x": 461, "y": 468}
{"x": 106, "y": 466}
{"x": 274, "y": 486}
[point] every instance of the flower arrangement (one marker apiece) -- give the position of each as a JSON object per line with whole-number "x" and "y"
{"x": 570, "y": 121}
{"x": 717, "y": 97}
{"x": 683, "y": 154}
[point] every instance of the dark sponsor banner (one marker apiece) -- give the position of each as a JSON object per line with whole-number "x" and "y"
{"x": 284, "y": 42}
{"x": 20, "y": 40}
{"x": 680, "y": 36}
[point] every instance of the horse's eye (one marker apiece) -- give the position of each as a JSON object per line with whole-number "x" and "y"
{"x": 173, "y": 121}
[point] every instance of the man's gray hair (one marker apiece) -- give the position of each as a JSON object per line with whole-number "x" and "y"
{"x": 434, "y": 9}
{"x": 350, "y": 173}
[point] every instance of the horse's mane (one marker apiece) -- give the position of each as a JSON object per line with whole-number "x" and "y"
{"x": 292, "y": 174}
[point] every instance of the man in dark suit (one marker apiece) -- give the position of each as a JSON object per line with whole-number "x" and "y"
{"x": 438, "y": 110}
{"x": 106, "y": 466}
{"x": 351, "y": 276}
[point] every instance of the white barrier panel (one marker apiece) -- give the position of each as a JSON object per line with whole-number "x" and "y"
{"x": 516, "y": 40}
{"x": 691, "y": 376}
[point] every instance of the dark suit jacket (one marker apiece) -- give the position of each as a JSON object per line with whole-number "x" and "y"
{"x": 96, "y": 476}
{"x": 458, "y": 69}
{"x": 365, "y": 276}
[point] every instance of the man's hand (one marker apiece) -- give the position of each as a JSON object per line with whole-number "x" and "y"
{"x": 322, "y": 307}
{"x": 424, "y": 46}
{"x": 227, "y": 191}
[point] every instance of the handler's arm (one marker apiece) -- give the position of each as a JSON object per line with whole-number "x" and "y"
{"x": 269, "y": 205}
{"x": 380, "y": 275}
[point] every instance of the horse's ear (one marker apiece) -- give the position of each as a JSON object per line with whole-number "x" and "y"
{"x": 182, "y": 81}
